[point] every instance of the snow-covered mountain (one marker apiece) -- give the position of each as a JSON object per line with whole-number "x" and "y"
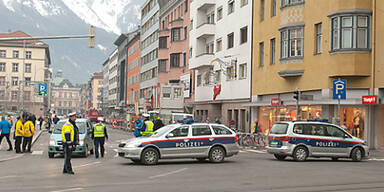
{"x": 73, "y": 17}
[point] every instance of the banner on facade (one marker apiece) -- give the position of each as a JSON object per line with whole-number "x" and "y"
{"x": 186, "y": 80}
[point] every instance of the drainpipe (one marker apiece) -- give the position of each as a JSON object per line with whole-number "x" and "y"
{"x": 373, "y": 54}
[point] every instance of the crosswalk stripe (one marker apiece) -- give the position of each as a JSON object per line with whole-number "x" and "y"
{"x": 37, "y": 152}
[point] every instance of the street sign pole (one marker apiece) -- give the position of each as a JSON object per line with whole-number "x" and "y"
{"x": 338, "y": 108}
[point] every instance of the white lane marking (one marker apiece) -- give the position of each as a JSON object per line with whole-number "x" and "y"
{"x": 37, "y": 152}
{"x": 73, "y": 189}
{"x": 243, "y": 151}
{"x": 256, "y": 151}
{"x": 374, "y": 159}
{"x": 88, "y": 164}
{"x": 10, "y": 176}
{"x": 169, "y": 173}
{"x": 11, "y": 158}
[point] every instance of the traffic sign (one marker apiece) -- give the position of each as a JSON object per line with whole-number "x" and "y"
{"x": 43, "y": 87}
{"x": 339, "y": 89}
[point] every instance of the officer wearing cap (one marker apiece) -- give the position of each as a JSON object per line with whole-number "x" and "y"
{"x": 68, "y": 134}
{"x": 99, "y": 135}
{"x": 147, "y": 127}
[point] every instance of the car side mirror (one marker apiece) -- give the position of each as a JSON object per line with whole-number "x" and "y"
{"x": 170, "y": 135}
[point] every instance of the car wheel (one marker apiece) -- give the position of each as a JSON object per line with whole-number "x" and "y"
{"x": 280, "y": 157}
{"x": 217, "y": 155}
{"x": 150, "y": 156}
{"x": 201, "y": 159}
{"x": 300, "y": 154}
{"x": 51, "y": 155}
{"x": 335, "y": 158}
{"x": 357, "y": 154}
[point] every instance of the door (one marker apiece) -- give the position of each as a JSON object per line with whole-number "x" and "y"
{"x": 177, "y": 143}
{"x": 340, "y": 142}
{"x": 201, "y": 139}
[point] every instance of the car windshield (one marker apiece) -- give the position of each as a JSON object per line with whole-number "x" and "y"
{"x": 160, "y": 132}
{"x": 81, "y": 125}
{"x": 279, "y": 128}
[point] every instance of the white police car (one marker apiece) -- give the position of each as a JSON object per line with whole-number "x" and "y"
{"x": 199, "y": 141}
{"x": 314, "y": 139}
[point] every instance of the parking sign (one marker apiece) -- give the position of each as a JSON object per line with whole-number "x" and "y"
{"x": 339, "y": 89}
{"x": 42, "y": 87}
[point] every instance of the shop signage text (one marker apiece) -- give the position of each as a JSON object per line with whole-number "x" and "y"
{"x": 370, "y": 99}
{"x": 275, "y": 101}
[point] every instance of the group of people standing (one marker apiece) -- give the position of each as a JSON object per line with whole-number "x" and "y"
{"x": 23, "y": 134}
{"x": 145, "y": 127}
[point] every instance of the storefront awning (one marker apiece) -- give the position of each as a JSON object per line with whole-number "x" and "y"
{"x": 315, "y": 102}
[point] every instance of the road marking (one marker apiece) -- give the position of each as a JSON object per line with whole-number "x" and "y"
{"x": 374, "y": 159}
{"x": 37, "y": 152}
{"x": 10, "y": 176}
{"x": 11, "y": 158}
{"x": 73, "y": 189}
{"x": 169, "y": 173}
{"x": 243, "y": 151}
{"x": 256, "y": 151}
{"x": 88, "y": 164}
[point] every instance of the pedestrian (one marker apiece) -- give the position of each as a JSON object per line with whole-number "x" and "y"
{"x": 56, "y": 119}
{"x": 9, "y": 119}
{"x": 28, "y": 132}
{"x": 157, "y": 123}
{"x": 99, "y": 135}
{"x": 18, "y": 133}
{"x": 138, "y": 123}
{"x": 68, "y": 138}
{"x": 147, "y": 127}
{"x": 217, "y": 120}
{"x": 49, "y": 123}
{"x": 41, "y": 120}
{"x": 33, "y": 119}
{"x": 5, "y": 128}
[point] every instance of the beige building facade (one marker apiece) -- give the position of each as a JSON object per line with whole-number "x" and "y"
{"x": 97, "y": 90}
{"x": 66, "y": 98}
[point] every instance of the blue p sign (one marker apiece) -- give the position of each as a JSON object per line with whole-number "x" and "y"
{"x": 339, "y": 89}
{"x": 42, "y": 87}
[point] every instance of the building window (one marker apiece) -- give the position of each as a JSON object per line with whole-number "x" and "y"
{"x": 15, "y": 81}
{"x": 243, "y": 71}
{"x": 177, "y": 92}
{"x": 273, "y": 51}
{"x": 319, "y": 37}
{"x": 243, "y": 3}
{"x": 163, "y": 66}
{"x": 166, "y": 92}
{"x": 28, "y": 54}
{"x": 27, "y": 95}
{"x": 15, "y": 67}
{"x": 207, "y": 79}
{"x": 219, "y": 45}
{"x": 219, "y": 13}
{"x": 191, "y": 25}
{"x": 209, "y": 48}
{"x": 273, "y": 10}
{"x": 2, "y": 67}
{"x": 184, "y": 59}
{"x": 190, "y": 52}
{"x": 350, "y": 32}
{"x": 262, "y": 5}
{"x": 231, "y": 73}
{"x": 27, "y": 81}
{"x": 28, "y": 68}
{"x": 3, "y": 53}
{"x": 163, "y": 43}
{"x": 15, "y": 54}
{"x": 261, "y": 53}
{"x": 2, "y": 81}
{"x": 243, "y": 35}
{"x": 230, "y": 38}
{"x": 292, "y": 41}
{"x": 186, "y": 6}
{"x": 185, "y": 33}
{"x": 14, "y": 95}
{"x": 175, "y": 34}
{"x": 211, "y": 18}
{"x": 286, "y": 3}
{"x": 198, "y": 80}
{"x": 231, "y": 6}
{"x": 2, "y": 95}
{"x": 175, "y": 60}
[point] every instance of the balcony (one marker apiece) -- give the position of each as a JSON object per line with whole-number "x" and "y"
{"x": 205, "y": 30}
{"x": 204, "y": 4}
{"x": 201, "y": 60}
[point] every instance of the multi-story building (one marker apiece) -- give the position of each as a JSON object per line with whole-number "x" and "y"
{"x": 112, "y": 82}
{"x": 174, "y": 77}
{"x": 66, "y": 98}
{"x": 83, "y": 98}
{"x": 220, "y": 44}
{"x": 121, "y": 43}
{"x": 105, "y": 84}
{"x": 149, "y": 51}
{"x": 96, "y": 87}
{"x": 32, "y": 63}
{"x": 133, "y": 73}
{"x": 306, "y": 45}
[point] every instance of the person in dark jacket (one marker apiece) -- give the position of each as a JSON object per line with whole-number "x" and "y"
{"x": 56, "y": 119}
{"x": 41, "y": 120}
{"x": 157, "y": 123}
{"x": 33, "y": 119}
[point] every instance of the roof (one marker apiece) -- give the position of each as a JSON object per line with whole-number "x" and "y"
{"x": 121, "y": 39}
{"x": 18, "y": 34}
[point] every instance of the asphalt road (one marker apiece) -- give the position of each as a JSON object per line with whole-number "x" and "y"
{"x": 251, "y": 170}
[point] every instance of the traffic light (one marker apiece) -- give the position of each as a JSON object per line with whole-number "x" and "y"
{"x": 92, "y": 37}
{"x": 296, "y": 94}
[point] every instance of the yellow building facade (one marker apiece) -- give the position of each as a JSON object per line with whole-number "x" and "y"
{"x": 305, "y": 45}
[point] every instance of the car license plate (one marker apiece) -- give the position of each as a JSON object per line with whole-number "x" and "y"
{"x": 274, "y": 143}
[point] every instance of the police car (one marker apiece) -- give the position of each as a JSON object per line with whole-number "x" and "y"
{"x": 314, "y": 139}
{"x": 198, "y": 141}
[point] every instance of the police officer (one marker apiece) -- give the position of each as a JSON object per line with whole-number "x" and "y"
{"x": 99, "y": 135}
{"x": 147, "y": 127}
{"x": 68, "y": 138}
{"x": 157, "y": 123}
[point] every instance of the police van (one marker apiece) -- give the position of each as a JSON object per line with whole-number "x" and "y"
{"x": 301, "y": 140}
{"x": 198, "y": 141}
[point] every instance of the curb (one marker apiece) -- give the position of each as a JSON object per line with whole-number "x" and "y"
{"x": 37, "y": 137}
